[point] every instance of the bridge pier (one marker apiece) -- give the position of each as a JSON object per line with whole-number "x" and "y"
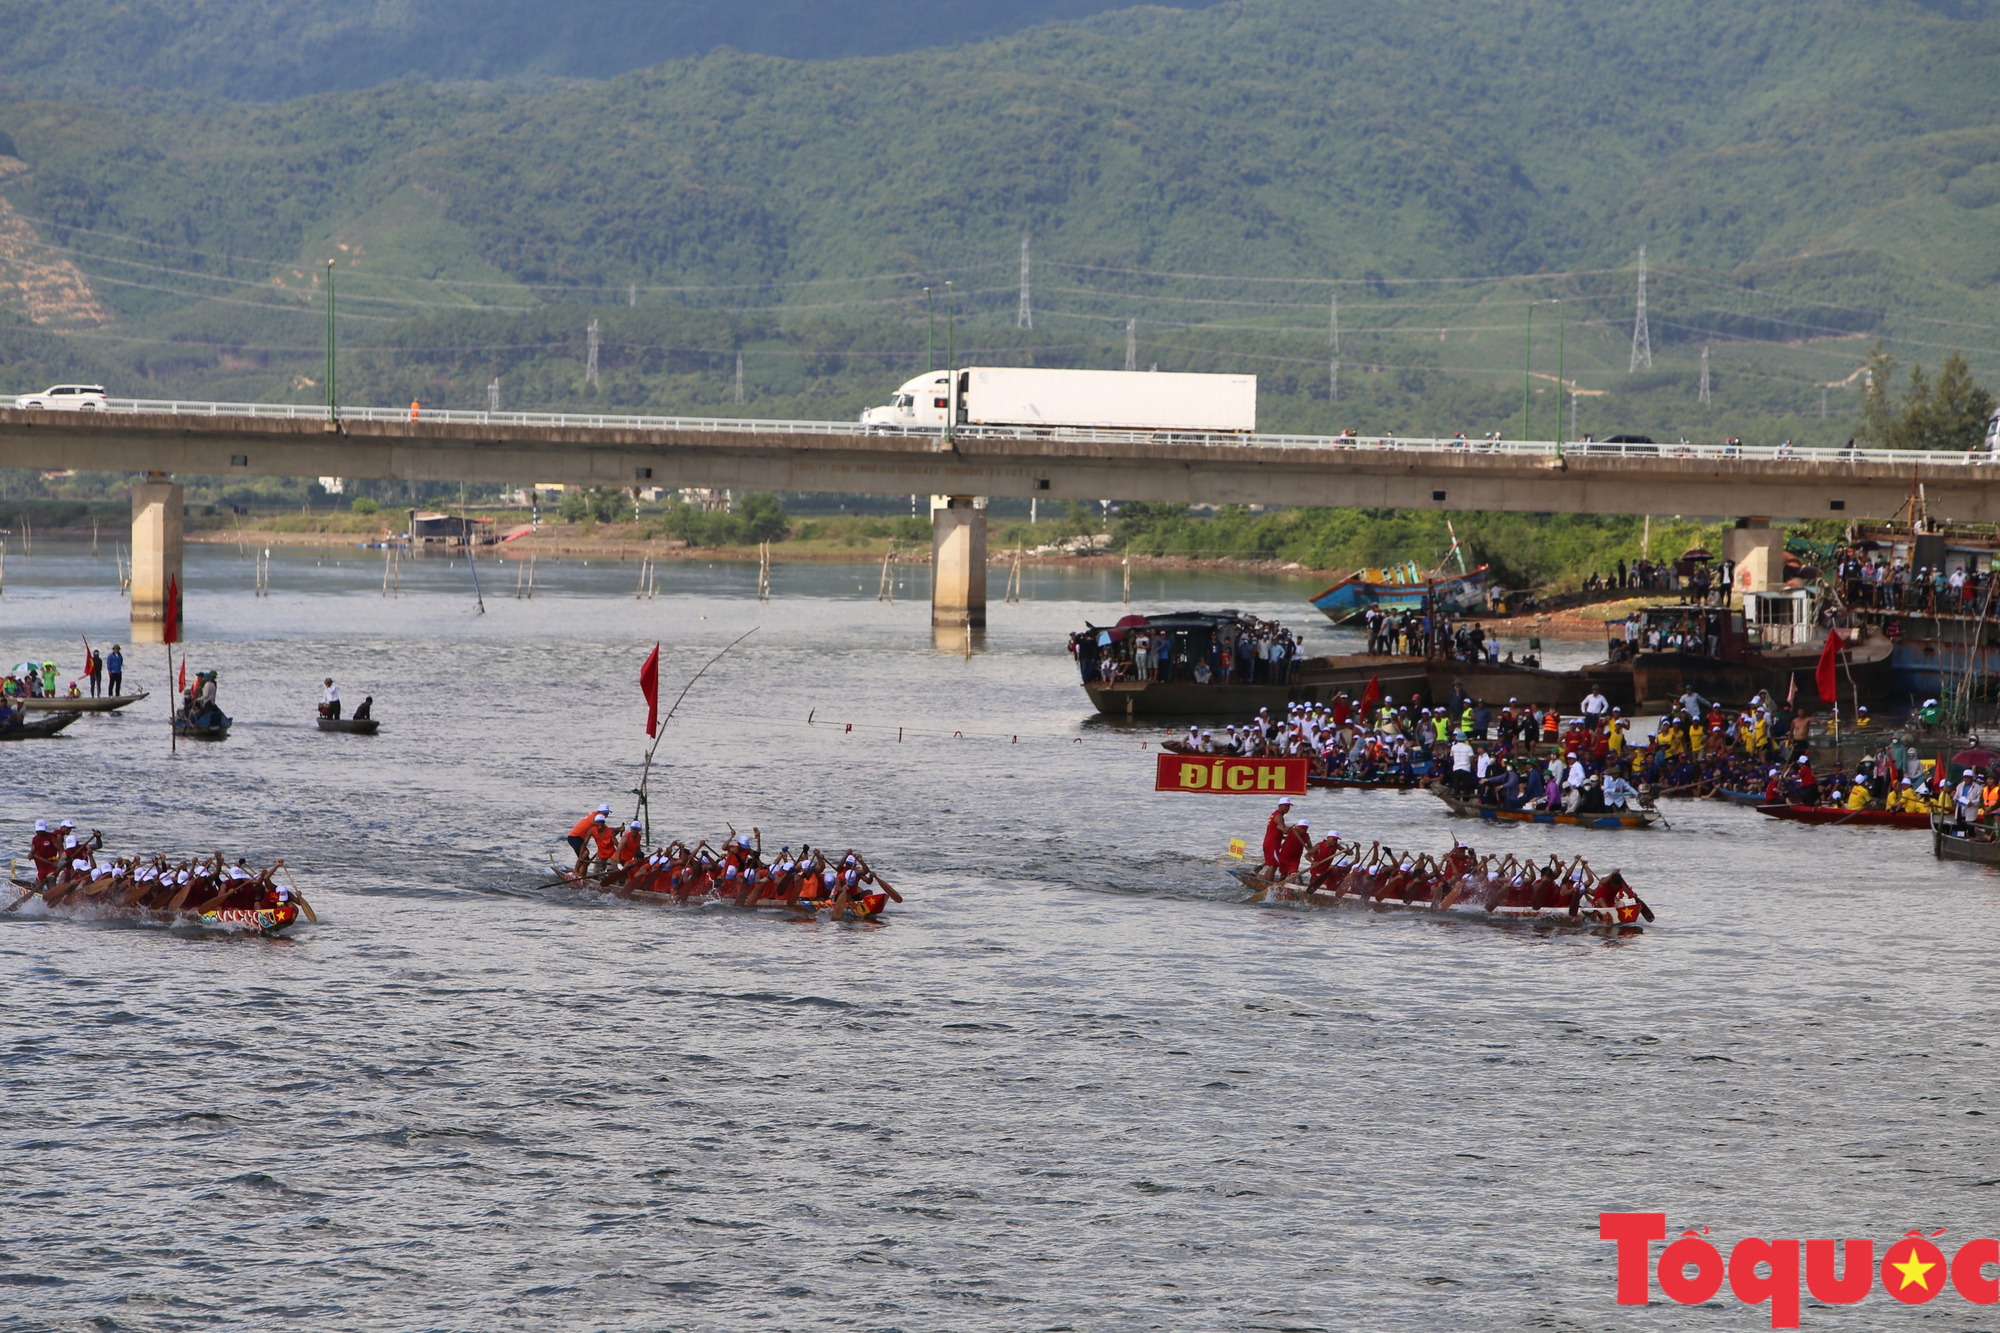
{"x": 1757, "y": 551}
{"x": 156, "y": 556}
{"x": 958, "y": 562}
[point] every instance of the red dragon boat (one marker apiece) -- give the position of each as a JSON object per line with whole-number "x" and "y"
{"x": 1829, "y": 815}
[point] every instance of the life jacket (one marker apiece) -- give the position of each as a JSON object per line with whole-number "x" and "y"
{"x": 629, "y": 847}
{"x": 606, "y": 841}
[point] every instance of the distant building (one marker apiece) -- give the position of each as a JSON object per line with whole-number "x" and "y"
{"x": 333, "y": 485}
{"x": 430, "y": 529}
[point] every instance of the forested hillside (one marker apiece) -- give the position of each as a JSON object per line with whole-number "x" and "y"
{"x": 1807, "y": 180}
{"x": 267, "y": 50}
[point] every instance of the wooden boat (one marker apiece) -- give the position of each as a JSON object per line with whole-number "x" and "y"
{"x": 866, "y": 908}
{"x": 107, "y": 703}
{"x": 247, "y": 920}
{"x": 1404, "y": 588}
{"x": 39, "y": 729}
{"x": 358, "y": 726}
{"x": 1361, "y": 784}
{"x": 196, "y": 731}
{"x": 1830, "y": 815}
{"x": 1292, "y": 891}
{"x": 1621, "y": 819}
{"x": 1948, "y": 844}
{"x": 1739, "y": 797}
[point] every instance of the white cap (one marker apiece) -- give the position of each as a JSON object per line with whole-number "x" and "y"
{"x": 69, "y": 823}
{"x": 597, "y": 818}
{"x": 1305, "y": 823}
{"x": 41, "y": 826}
{"x": 636, "y": 824}
{"x": 1284, "y": 800}
{"x": 605, "y": 808}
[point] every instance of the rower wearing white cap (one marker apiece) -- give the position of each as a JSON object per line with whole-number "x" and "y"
{"x": 46, "y": 848}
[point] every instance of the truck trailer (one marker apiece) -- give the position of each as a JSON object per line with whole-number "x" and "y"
{"x": 1071, "y": 399}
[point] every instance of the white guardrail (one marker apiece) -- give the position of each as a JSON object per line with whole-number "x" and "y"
{"x": 1333, "y": 443}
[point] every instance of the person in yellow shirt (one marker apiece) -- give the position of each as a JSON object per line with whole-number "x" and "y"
{"x": 1614, "y": 741}
{"x": 1857, "y": 797}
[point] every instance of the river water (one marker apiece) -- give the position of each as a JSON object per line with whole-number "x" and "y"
{"x": 1072, "y": 1083}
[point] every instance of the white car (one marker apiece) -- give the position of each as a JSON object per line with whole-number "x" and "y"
{"x": 65, "y": 398}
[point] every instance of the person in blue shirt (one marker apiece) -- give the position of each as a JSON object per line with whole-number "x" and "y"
{"x": 114, "y": 669}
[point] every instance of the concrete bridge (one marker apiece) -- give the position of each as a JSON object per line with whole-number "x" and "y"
{"x": 248, "y": 439}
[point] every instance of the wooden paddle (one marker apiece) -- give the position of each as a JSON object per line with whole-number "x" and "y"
{"x": 298, "y": 897}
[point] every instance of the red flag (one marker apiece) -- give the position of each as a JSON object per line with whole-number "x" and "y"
{"x": 1371, "y": 696}
{"x": 649, "y": 684}
{"x": 1823, "y": 677}
{"x": 171, "y": 631}
{"x": 184, "y": 675}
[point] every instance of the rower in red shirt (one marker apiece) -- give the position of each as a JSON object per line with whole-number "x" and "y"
{"x": 1292, "y": 849}
{"x": 1275, "y": 830}
{"x": 46, "y": 848}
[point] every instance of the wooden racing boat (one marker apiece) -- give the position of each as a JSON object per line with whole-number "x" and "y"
{"x": 1739, "y": 797}
{"x": 1980, "y": 844}
{"x": 106, "y": 703}
{"x": 1293, "y": 891}
{"x": 248, "y": 920}
{"x": 648, "y": 885}
{"x": 39, "y": 729}
{"x": 358, "y": 726}
{"x": 1619, "y": 819}
{"x": 1829, "y": 815}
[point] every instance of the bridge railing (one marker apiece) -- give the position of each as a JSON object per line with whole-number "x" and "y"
{"x": 1360, "y": 444}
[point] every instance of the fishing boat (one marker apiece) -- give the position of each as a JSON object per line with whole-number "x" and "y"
{"x": 356, "y": 726}
{"x": 1980, "y": 843}
{"x": 1405, "y": 587}
{"x": 106, "y": 703}
{"x": 1772, "y": 643}
{"x": 39, "y": 729}
{"x": 1606, "y": 819}
{"x": 1830, "y": 814}
{"x": 210, "y": 726}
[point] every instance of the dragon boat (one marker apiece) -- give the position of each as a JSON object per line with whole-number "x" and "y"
{"x": 649, "y": 884}
{"x": 79, "y": 905}
{"x": 1750, "y": 798}
{"x": 1604, "y": 819}
{"x": 1460, "y": 886}
{"x": 1828, "y": 815}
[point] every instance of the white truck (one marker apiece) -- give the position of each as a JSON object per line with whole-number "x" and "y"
{"x": 1060, "y": 399}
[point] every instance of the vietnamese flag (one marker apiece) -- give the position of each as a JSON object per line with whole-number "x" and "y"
{"x": 171, "y": 631}
{"x": 184, "y": 675}
{"x": 1371, "y": 696}
{"x": 1823, "y": 676}
{"x": 649, "y": 685}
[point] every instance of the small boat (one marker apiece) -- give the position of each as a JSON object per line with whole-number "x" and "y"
{"x": 1293, "y": 891}
{"x": 1830, "y": 815}
{"x": 1404, "y": 588}
{"x": 1981, "y": 844}
{"x": 38, "y": 729}
{"x": 210, "y": 726}
{"x": 1624, "y": 819}
{"x": 359, "y": 726}
{"x": 106, "y": 703}
{"x": 1738, "y": 797}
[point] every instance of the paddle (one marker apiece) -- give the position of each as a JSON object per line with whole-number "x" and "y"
{"x": 298, "y": 897}
{"x": 881, "y": 883}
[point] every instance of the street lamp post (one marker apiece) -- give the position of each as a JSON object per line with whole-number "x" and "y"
{"x": 332, "y": 400}
{"x": 1527, "y": 355}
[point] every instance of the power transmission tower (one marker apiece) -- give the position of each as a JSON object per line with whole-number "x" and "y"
{"x": 1642, "y": 337}
{"x": 631, "y": 293}
{"x": 1333, "y": 380}
{"x": 1704, "y": 375}
{"x": 1131, "y": 344}
{"x": 493, "y": 394}
{"x": 1026, "y": 318}
{"x": 739, "y": 379}
{"x": 590, "y": 358}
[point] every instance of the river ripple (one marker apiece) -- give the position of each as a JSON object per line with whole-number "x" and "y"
{"x": 1072, "y": 1083}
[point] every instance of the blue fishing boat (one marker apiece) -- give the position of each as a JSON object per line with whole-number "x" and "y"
{"x": 1404, "y": 588}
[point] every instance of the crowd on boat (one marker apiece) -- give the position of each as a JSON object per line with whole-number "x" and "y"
{"x": 1337, "y": 868}
{"x": 30, "y": 680}
{"x": 71, "y": 871}
{"x": 1245, "y": 652}
{"x": 1412, "y": 632}
{"x": 613, "y": 857}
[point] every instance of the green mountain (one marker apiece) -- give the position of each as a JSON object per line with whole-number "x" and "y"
{"x": 268, "y": 50}
{"x": 1471, "y": 183}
